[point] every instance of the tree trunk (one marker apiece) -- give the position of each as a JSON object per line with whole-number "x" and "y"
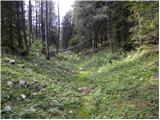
{"x": 110, "y": 37}
{"x": 24, "y": 29}
{"x": 42, "y": 28}
{"x": 139, "y": 24}
{"x": 93, "y": 38}
{"x": 36, "y": 25}
{"x": 39, "y": 32}
{"x": 46, "y": 32}
{"x": 19, "y": 36}
{"x": 30, "y": 22}
{"x": 101, "y": 41}
{"x": 93, "y": 34}
{"x": 58, "y": 28}
{"x": 49, "y": 24}
{"x": 11, "y": 30}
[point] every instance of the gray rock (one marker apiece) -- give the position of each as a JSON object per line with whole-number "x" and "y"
{"x": 23, "y": 83}
{"x": 70, "y": 112}
{"x": 34, "y": 94}
{"x": 81, "y": 68}
{"x": 141, "y": 79}
{"x": 55, "y": 103}
{"x": 12, "y": 62}
{"x": 37, "y": 54}
{"x": 31, "y": 109}
{"x": 85, "y": 90}
{"x": 10, "y": 83}
{"x": 23, "y": 96}
{"x": 6, "y": 109}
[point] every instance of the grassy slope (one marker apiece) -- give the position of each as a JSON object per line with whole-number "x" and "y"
{"x": 128, "y": 88}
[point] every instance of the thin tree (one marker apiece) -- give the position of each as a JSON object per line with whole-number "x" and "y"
{"x": 36, "y": 22}
{"x": 93, "y": 34}
{"x": 49, "y": 26}
{"x": 58, "y": 27}
{"x": 11, "y": 29}
{"x": 42, "y": 28}
{"x": 30, "y": 22}
{"x": 110, "y": 30}
{"x": 24, "y": 28}
{"x": 19, "y": 36}
{"x": 46, "y": 33}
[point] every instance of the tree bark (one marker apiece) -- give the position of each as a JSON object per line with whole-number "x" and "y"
{"x": 39, "y": 32}
{"x": 93, "y": 33}
{"x": 30, "y": 23}
{"x": 46, "y": 32}
{"x": 19, "y": 36}
{"x": 110, "y": 32}
{"x": 139, "y": 24}
{"x": 36, "y": 25}
{"x": 42, "y": 28}
{"x": 11, "y": 30}
{"x": 49, "y": 26}
{"x": 58, "y": 28}
{"x": 24, "y": 29}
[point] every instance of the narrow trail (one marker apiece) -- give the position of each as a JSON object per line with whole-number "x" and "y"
{"x": 85, "y": 109}
{"x": 86, "y": 103}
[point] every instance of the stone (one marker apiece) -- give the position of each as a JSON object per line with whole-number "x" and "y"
{"x": 141, "y": 79}
{"x": 37, "y": 54}
{"x": 6, "y": 109}
{"x": 31, "y": 109}
{"x": 85, "y": 90}
{"x": 34, "y": 94}
{"x": 23, "y": 96}
{"x": 70, "y": 112}
{"x": 81, "y": 68}
{"x": 23, "y": 83}
{"x": 12, "y": 62}
{"x": 10, "y": 83}
{"x": 55, "y": 103}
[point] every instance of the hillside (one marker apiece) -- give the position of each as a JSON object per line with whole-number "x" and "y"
{"x": 78, "y": 86}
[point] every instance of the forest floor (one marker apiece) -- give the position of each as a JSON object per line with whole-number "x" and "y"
{"x": 72, "y": 86}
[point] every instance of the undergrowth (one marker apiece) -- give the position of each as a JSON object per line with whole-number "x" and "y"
{"x": 127, "y": 88}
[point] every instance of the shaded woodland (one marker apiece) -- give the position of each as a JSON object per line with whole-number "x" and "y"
{"x": 127, "y": 26}
{"x": 99, "y": 61}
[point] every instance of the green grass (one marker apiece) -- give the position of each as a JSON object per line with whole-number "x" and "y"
{"x": 128, "y": 88}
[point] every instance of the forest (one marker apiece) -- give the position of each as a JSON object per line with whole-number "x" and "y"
{"x": 99, "y": 61}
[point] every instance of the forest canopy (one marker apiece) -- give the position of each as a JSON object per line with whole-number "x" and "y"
{"x": 120, "y": 25}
